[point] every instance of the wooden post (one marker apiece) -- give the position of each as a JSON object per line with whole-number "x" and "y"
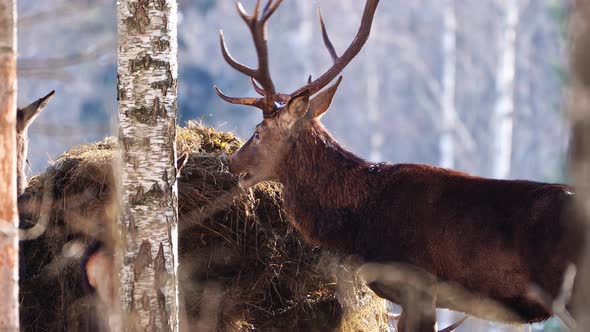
{"x": 9, "y": 320}
{"x": 579, "y": 113}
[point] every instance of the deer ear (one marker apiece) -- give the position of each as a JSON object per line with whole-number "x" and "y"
{"x": 296, "y": 108}
{"x": 26, "y": 115}
{"x": 299, "y": 104}
{"x": 321, "y": 102}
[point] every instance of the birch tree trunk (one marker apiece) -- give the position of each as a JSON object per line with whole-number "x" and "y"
{"x": 449, "y": 113}
{"x": 9, "y": 320}
{"x": 147, "y": 84}
{"x": 579, "y": 113}
{"x": 502, "y": 117}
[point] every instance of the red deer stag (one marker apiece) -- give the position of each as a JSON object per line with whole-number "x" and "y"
{"x": 495, "y": 238}
{"x": 24, "y": 117}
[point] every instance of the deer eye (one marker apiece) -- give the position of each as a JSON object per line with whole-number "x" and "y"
{"x": 256, "y": 135}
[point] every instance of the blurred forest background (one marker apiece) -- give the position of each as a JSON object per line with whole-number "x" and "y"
{"x": 390, "y": 106}
{"x": 435, "y": 84}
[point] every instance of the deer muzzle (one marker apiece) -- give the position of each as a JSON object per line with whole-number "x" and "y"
{"x": 231, "y": 163}
{"x": 236, "y": 167}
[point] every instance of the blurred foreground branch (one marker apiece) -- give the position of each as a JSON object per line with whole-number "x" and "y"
{"x": 63, "y": 10}
{"x": 579, "y": 112}
{"x": 8, "y": 216}
{"x": 53, "y": 67}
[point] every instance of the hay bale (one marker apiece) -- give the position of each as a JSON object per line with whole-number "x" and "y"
{"x": 242, "y": 266}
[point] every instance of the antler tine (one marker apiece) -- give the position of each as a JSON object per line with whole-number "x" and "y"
{"x": 249, "y": 19}
{"x": 242, "y": 12}
{"x": 280, "y": 97}
{"x": 256, "y": 11}
{"x": 326, "y": 38}
{"x": 355, "y": 47}
{"x": 256, "y": 102}
{"x": 257, "y": 88}
{"x": 231, "y": 60}
{"x": 258, "y": 30}
{"x": 265, "y": 10}
{"x": 270, "y": 9}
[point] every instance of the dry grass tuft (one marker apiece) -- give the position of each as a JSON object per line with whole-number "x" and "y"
{"x": 242, "y": 266}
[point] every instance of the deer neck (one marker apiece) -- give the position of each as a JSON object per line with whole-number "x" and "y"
{"x": 21, "y": 160}
{"x": 324, "y": 187}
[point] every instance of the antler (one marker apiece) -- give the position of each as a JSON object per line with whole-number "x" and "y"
{"x": 261, "y": 75}
{"x": 340, "y": 62}
{"x": 327, "y": 41}
{"x": 260, "y": 78}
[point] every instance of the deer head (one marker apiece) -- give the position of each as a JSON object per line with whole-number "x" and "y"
{"x": 285, "y": 115}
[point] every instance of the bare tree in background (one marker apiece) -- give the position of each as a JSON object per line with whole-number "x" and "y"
{"x": 304, "y": 35}
{"x": 147, "y": 91}
{"x": 449, "y": 113}
{"x": 448, "y": 154}
{"x": 503, "y": 114}
{"x": 9, "y": 320}
{"x": 376, "y": 136}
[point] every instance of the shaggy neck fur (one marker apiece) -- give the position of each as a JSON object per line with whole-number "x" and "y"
{"x": 21, "y": 160}
{"x": 323, "y": 188}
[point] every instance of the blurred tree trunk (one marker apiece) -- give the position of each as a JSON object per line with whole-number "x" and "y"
{"x": 374, "y": 86}
{"x": 9, "y": 320}
{"x": 373, "y": 96}
{"x": 447, "y": 144}
{"x": 147, "y": 90}
{"x": 503, "y": 114}
{"x": 304, "y": 36}
{"x": 449, "y": 112}
{"x": 579, "y": 113}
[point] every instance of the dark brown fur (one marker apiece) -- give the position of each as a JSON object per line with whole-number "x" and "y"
{"x": 496, "y": 238}
{"x": 508, "y": 241}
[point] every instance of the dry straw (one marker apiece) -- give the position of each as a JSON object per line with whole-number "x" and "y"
{"x": 242, "y": 266}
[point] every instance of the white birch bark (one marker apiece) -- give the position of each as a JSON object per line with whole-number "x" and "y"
{"x": 449, "y": 113}
{"x": 147, "y": 82}
{"x": 503, "y": 114}
{"x": 9, "y": 318}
